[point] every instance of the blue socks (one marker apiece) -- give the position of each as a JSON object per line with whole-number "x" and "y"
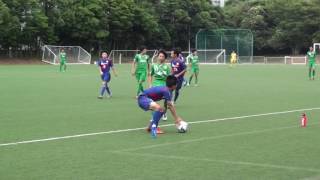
{"x": 108, "y": 90}
{"x": 103, "y": 89}
{"x": 156, "y": 116}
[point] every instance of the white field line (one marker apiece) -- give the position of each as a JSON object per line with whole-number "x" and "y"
{"x": 208, "y": 138}
{"x": 241, "y": 163}
{"x": 141, "y": 128}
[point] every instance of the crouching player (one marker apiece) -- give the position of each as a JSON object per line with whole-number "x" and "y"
{"x": 147, "y": 101}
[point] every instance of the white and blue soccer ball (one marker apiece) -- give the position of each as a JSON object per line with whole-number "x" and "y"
{"x": 182, "y": 127}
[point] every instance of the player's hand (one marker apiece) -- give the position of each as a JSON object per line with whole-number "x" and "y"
{"x": 101, "y": 73}
{"x": 176, "y": 75}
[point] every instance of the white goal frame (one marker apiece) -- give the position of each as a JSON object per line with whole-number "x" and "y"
{"x": 315, "y": 45}
{"x": 50, "y": 56}
{"x": 293, "y": 60}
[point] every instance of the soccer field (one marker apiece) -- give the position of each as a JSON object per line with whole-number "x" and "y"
{"x": 244, "y": 124}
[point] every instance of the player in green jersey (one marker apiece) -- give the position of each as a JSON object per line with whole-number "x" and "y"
{"x": 63, "y": 60}
{"x": 159, "y": 71}
{"x": 194, "y": 65}
{"x": 140, "y": 68}
{"x": 312, "y": 54}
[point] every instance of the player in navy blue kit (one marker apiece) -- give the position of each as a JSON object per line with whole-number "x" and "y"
{"x": 178, "y": 69}
{"x": 105, "y": 64}
{"x": 147, "y": 101}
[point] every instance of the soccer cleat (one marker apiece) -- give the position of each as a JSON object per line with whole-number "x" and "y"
{"x": 196, "y": 85}
{"x": 164, "y": 117}
{"x": 100, "y": 97}
{"x": 159, "y": 131}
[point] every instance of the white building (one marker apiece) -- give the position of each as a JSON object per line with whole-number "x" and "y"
{"x": 218, "y": 2}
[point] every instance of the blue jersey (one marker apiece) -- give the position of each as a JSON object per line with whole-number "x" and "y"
{"x": 158, "y": 93}
{"x": 177, "y": 66}
{"x": 105, "y": 65}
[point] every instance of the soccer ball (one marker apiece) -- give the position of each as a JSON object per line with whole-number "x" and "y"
{"x": 182, "y": 127}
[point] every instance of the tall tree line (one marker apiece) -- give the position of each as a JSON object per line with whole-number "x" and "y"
{"x": 278, "y": 25}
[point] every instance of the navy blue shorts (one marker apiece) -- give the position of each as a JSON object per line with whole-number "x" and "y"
{"x": 106, "y": 77}
{"x": 144, "y": 102}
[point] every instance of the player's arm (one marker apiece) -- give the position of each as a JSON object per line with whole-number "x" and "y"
{"x": 113, "y": 69}
{"x": 149, "y": 65}
{"x": 182, "y": 72}
{"x": 99, "y": 67}
{"x": 134, "y": 64}
{"x": 188, "y": 59}
{"x": 173, "y": 111}
{"x": 150, "y": 76}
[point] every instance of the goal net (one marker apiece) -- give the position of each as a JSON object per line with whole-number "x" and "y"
{"x": 127, "y": 56}
{"x": 75, "y": 54}
{"x": 238, "y": 40}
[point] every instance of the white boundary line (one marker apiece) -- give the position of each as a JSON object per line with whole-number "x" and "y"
{"x": 141, "y": 128}
{"x": 243, "y": 163}
{"x": 207, "y": 138}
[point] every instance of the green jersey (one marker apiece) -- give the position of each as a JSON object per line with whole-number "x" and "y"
{"x": 160, "y": 72}
{"x": 194, "y": 60}
{"x": 312, "y": 56}
{"x": 142, "y": 62}
{"x": 63, "y": 56}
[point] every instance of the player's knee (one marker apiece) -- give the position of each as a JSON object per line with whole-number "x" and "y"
{"x": 156, "y": 107}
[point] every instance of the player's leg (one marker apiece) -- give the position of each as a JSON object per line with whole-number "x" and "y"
{"x": 60, "y": 67}
{"x": 177, "y": 91}
{"x": 103, "y": 88}
{"x": 107, "y": 80}
{"x": 190, "y": 78}
{"x": 196, "y": 76}
{"x": 143, "y": 77}
{"x": 310, "y": 71}
{"x": 185, "y": 82}
{"x": 147, "y": 104}
{"x": 64, "y": 66}
{"x": 313, "y": 71}
{"x": 139, "y": 77}
{"x": 158, "y": 112}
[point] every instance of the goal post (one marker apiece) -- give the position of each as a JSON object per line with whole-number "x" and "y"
{"x": 75, "y": 54}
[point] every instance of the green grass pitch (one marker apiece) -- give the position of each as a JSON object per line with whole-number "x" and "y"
{"x": 38, "y": 102}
